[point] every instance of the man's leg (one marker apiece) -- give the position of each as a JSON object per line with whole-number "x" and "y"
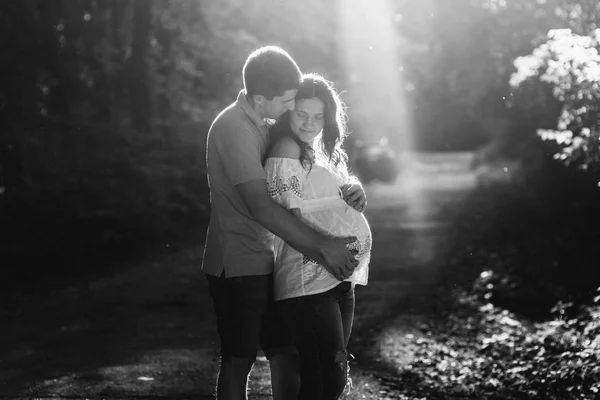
{"x": 232, "y": 378}
{"x": 232, "y": 382}
{"x": 240, "y": 305}
{"x": 277, "y": 342}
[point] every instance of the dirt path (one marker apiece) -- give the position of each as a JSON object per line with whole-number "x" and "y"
{"x": 147, "y": 332}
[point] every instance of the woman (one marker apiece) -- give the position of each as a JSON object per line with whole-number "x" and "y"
{"x": 306, "y": 169}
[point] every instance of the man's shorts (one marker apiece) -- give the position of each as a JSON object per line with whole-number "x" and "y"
{"x": 248, "y": 317}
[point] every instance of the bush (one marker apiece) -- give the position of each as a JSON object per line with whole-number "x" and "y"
{"x": 534, "y": 234}
{"x": 570, "y": 65}
{"x": 534, "y": 227}
{"x": 374, "y": 162}
{"x": 481, "y": 351}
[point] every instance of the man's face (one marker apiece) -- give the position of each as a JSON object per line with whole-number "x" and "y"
{"x": 277, "y": 106}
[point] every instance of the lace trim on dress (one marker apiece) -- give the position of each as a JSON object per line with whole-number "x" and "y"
{"x": 278, "y": 185}
{"x": 361, "y": 249}
{"x": 285, "y": 179}
{"x": 306, "y": 260}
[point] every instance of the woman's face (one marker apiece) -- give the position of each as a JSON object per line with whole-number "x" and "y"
{"x": 307, "y": 119}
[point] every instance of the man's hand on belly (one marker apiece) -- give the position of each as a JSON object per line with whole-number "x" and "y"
{"x": 338, "y": 259}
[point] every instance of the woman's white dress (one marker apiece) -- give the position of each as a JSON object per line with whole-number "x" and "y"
{"x": 316, "y": 198}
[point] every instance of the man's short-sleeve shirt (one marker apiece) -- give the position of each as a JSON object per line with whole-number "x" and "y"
{"x": 236, "y": 146}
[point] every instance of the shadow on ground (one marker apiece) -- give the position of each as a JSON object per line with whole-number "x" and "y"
{"x": 147, "y": 331}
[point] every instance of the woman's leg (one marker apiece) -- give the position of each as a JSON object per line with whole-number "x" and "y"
{"x": 335, "y": 366}
{"x": 346, "y": 303}
{"x": 319, "y": 333}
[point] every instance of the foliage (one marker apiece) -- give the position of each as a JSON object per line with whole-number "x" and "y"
{"x": 570, "y": 65}
{"x": 479, "y": 351}
{"x": 521, "y": 270}
{"x": 533, "y": 232}
{"x": 518, "y": 311}
{"x": 538, "y": 236}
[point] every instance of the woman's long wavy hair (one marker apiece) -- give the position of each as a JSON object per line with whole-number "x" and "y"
{"x": 329, "y": 150}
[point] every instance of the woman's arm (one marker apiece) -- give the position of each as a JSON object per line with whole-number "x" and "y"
{"x": 354, "y": 194}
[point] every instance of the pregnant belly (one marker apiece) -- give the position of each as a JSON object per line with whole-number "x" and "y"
{"x": 341, "y": 221}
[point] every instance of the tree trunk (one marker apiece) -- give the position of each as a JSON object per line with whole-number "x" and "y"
{"x": 165, "y": 36}
{"x": 139, "y": 96}
{"x": 117, "y": 72}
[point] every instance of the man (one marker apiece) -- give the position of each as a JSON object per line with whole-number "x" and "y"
{"x": 238, "y": 258}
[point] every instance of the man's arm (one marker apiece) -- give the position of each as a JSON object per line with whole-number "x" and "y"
{"x": 330, "y": 252}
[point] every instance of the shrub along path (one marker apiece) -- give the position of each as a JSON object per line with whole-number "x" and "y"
{"x": 148, "y": 332}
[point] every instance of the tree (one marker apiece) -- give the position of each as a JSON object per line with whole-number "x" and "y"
{"x": 570, "y": 65}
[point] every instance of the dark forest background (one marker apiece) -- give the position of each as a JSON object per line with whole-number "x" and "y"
{"x": 105, "y": 106}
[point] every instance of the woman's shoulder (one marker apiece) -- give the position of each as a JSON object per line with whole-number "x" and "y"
{"x": 285, "y": 147}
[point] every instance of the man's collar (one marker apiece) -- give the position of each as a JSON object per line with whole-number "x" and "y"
{"x": 242, "y": 100}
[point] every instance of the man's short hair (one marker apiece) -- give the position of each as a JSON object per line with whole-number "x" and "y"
{"x": 270, "y": 71}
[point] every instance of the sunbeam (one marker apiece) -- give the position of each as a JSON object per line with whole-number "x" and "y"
{"x": 371, "y": 59}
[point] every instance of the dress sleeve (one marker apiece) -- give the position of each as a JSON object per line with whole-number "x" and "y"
{"x": 285, "y": 177}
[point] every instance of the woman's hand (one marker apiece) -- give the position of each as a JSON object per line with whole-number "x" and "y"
{"x": 354, "y": 194}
